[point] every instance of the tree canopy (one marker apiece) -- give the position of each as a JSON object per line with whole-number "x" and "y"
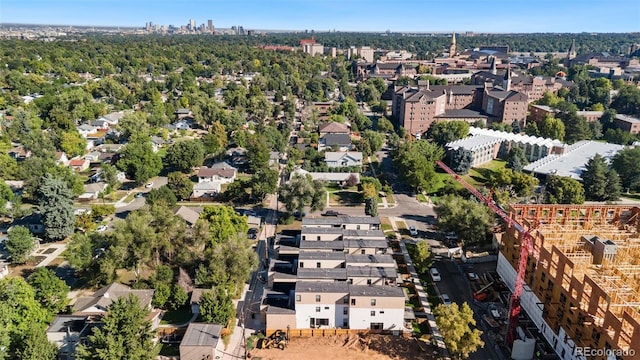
{"x": 469, "y": 219}
{"x": 56, "y": 206}
{"x": 455, "y": 323}
{"x": 416, "y": 163}
{"x": 564, "y": 190}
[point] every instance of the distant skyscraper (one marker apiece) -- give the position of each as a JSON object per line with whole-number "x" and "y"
{"x": 192, "y": 24}
{"x": 210, "y": 26}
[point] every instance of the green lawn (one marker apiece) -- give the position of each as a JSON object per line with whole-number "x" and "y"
{"x": 476, "y": 177}
{"x": 345, "y": 197}
{"x": 179, "y": 316}
{"x": 169, "y": 350}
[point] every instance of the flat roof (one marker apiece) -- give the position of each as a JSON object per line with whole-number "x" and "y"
{"x": 339, "y": 220}
{"x": 572, "y": 162}
{"x": 201, "y": 334}
{"x": 376, "y": 290}
{"x": 323, "y": 287}
{"x": 369, "y": 259}
{"x": 321, "y": 255}
{"x": 316, "y": 273}
{"x": 627, "y": 118}
{"x": 365, "y": 244}
{"x": 473, "y": 142}
{"x": 372, "y": 271}
{"x": 306, "y": 244}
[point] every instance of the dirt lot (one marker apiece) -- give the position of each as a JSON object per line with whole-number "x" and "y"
{"x": 351, "y": 347}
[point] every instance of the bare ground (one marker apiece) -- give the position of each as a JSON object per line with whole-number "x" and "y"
{"x": 350, "y": 347}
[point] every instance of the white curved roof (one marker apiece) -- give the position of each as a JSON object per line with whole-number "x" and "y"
{"x": 524, "y": 139}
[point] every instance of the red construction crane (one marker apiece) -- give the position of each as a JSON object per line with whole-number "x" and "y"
{"x": 526, "y": 249}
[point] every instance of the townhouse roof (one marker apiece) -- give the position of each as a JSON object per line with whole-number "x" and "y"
{"x": 322, "y": 273}
{"x": 330, "y": 245}
{"x": 321, "y": 255}
{"x": 374, "y": 290}
{"x": 333, "y": 127}
{"x": 351, "y": 259}
{"x": 201, "y": 334}
{"x": 365, "y": 244}
{"x": 322, "y": 287}
{"x": 371, "y": 271}
{"x": 336, "y": 139}
{"x": 338, "y": 155}
{"x": 339, "y": 220}
{"x": 310, "y": 230}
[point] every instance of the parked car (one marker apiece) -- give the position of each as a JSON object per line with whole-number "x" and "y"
{"x": 445, "y": 299}
{"x": 138, "y": 195}
{"x": 473, "y": 276}
{"x": 413, "y": 231}
{"x": 252, "y": 233}
{"x": 102, "y": 228}
{"x": 149, "y": 185}
{"x": 435, "y": 275}
{"x": 330, "y": 213}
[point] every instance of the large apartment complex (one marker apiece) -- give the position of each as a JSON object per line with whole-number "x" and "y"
{"x": 336, "y": 273}
{"x": 583, "y": 290}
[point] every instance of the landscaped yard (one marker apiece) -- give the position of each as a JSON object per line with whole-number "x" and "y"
{"x": 476, "y": 177}
{"x": 179, "y": 316}
{"x": 345, "y": 197}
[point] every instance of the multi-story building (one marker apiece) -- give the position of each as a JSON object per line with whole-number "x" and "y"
{"x": 336, "y": 273}
{"x": 532, "y": 86}
{"x": 539, "y": 112}
{"x": 582, "y": 288}
{"x": 627, "y": 123}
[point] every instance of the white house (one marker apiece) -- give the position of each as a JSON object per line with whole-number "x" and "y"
{"x": 92, "y": 191}
{"x": 220, "y": 172}
{"x": 86, "y": 129}
{"x": 203, "y": 189}
{"x": 336, "y": 159}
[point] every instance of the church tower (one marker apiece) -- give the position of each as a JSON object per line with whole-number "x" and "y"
{"x": 452, "y": 48}
{"x": 506, "y": 81}
{"x": 572, "y": 53}
{"x": 494, "y": 68}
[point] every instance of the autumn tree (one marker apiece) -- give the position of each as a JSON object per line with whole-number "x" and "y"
{"x": 125, "y": 334}
{"x": 455, "y": 323}
{"x": 564, "y": 190}
{"x": 55, "y": 201}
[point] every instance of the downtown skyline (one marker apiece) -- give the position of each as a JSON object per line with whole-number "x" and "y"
{"x": 498, "y": 16}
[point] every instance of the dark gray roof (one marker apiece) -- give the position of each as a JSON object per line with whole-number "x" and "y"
{"x": 462, "y": 113}
{"x": 369, "y": 259}
{"x": 372, "y": 271}
{"x": 335, "y": 245}
{"x": 200, "y": 334}
{"x": 320, "y": 273}
{"x": 73, "y": 323}
{"x": 339, "y": 220}
{"x": 322, "y": 287}
{"x": 310, "y": 230}
{"x": 321, "y": 255}
{"x": 456, "y": 89}
{"x": 337, "y": 139}
{"x": 373, "y": 290}
{"x": 365, "y": 244}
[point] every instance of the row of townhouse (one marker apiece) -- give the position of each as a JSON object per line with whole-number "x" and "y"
{"x": 336, "y": 273}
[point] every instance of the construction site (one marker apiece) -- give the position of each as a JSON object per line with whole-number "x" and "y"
{"x": 582, "y": 279}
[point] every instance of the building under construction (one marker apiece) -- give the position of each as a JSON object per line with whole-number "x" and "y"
{"x": 583, "y": 279}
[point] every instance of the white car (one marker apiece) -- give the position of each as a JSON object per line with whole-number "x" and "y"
{"x": 149, "y": 185}
{"x": 435, "y": 275}
{"x": 473, "y": 276}
{"x": 445, "y": 299}
{"x": 413, "y": 231}
{"x": 102, "y": 228}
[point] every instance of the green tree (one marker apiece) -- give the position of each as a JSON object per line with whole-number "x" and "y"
{"x": 599, "y": 182}
{"x": 257, "y": 153}
{"x": 110, "y": 176}
{"x": 139, "y": 161}
{"x": 162, "y": 195}
{"x": 370, "y": 142}
{"x": 516, "y": 160}
{"x": 264, "y": 182}
{"x": 224, "y": 222}
{"x": 179, "y": 297}
{"x": 216, "y": 306}
{"x": 564, "y": 190}
{"x": 6, "y": 195}
{"x": 20, "y": 244}
{"x": 101, "y": 211}
{"x": 455, "y": 324}
{"x": 384, "y": 125}
{"x": 79, "y": 251}
{"x": 443, "y": 132}
{"x": 460, "y": 160}
{"x": 34, "y": 345}
{"x": 371, "y": 206}
{"x": 422, "y": 259}
{"x": 216, "y": 140}
{"x": 72, "y": 143}
{"x": 185, "y": 154}
{"x": 303, "y": 191}
{"x": 416, "y": 164}
{"x": 125, "y": 334}
{"x": 180, "y": 184}
{"x": 552, "y": 128}
{"x": 468, "y": 218}
{"x": 577, "y": 127}
{"x": 627, "y": 164}
{"x": 161, "y": 295}
{"x": 50, "y": 291}
{"x": 56, "y": 206}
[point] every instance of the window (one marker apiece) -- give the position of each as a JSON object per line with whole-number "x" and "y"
{"x": 298, "y": 298}
{"x": 301, "y": 265}
{"x": 345, "y": 300}
{"x": 317, "y": 308}
{"x": 345, "y": 311}
{"x": 363, "y": 251}
{"x": 373, "y": 313}
{"x": 381, "y": 311}
{"x": 326, "y": 308}
{"x": 317, "y": 298}
{"x": 318, "y": 238}
{"x": 368, "y": 281}
{"x": 373, "y": 302}
{"x": 353, "y": 301}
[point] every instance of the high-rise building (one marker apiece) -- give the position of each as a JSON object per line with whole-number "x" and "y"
{"x": 192, "y": 24}
{"x": 452, "y": 48}
{"x": 210, "y": 26}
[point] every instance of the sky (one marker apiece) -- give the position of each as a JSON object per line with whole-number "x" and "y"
{"x": 501, "y": 16}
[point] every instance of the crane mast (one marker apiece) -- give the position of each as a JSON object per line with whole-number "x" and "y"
{"x": 526, "y": 249}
